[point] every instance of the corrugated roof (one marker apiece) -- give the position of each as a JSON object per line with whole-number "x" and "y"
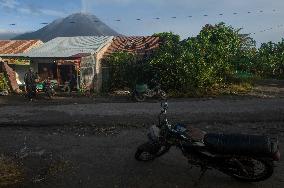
{"x": 133, "y": 44}
{"x": 70, "y": 46}
{"x": 17, "y": 46}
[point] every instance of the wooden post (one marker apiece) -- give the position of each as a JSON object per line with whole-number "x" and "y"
{"x": 77, "y": 71}
{"x": 58, "y": 73}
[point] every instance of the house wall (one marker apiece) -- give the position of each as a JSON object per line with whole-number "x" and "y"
{"x": 88, "y": 73}
{"x": 36, "y": 61}
{"x": 1, "y": 66}
{"x": 21, "y": 70}
{"x": 99, "y": 57}
{"x": 10, "y": 73}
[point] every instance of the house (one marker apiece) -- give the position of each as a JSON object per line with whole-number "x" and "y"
{"x": 13, "y": 65}
{"x": 63, "y": 56}
{"x": 142, "y": 46}
{"x": 1, "y": 65}
{"x": 83, "y": 56}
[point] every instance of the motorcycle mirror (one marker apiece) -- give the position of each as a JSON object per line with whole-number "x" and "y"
{"x": 164, "y": 105}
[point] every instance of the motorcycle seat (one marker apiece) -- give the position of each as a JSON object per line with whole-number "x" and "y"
{"x": 240, "y": 144}
{"x": 195, "y": 134}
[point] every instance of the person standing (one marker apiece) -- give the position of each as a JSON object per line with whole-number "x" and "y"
{"x": 72, "y": 81}
{"x": 30, "y": 81}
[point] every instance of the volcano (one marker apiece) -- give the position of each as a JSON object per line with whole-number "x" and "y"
{"x": 79, "y": 24}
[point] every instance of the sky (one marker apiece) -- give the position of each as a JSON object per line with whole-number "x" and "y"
{"x": 18, "y": 16}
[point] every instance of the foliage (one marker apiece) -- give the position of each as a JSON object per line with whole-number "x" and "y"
{"x": 218, "y": 58}
{"x": 270, "y": 60}
{"x": 126, "y": 69}
{"x": 226, "y": 89}
{"x": 167, "y": 62}
{"x": 11, "y": 173}
{"x": 214, "y": 57}
{"x": 3, "y": 83}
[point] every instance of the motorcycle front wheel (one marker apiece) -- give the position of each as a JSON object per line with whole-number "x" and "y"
{"x": 163, "y": 95}
{"x": 149, "y": 151}
{"x": 49, "y": 95}
{"x": 251, "y": 169}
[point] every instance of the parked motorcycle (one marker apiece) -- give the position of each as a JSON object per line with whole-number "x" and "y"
{"x": 66, "y": 87}
{"x": 48, "y": 88}
{"x": 247, "y": 158}
{"x": 142, "y": 91}
{"x": 4, "y": 93}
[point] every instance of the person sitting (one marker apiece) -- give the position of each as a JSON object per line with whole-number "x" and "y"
{"x": 72, "y": 81}
{"x": 44, "y": 75}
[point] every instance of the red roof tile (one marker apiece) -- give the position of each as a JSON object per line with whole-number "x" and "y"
{"x": 17, "y": 46}
{"x": 135, "y": 44}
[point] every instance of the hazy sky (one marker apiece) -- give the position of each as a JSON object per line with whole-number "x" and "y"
{"x": 265, "y": 14}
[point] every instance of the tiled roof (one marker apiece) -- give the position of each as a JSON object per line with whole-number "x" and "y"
{"x": 70, "y": 46}
{"x": 135, "y": 44}
{"x": 17, "y": 46}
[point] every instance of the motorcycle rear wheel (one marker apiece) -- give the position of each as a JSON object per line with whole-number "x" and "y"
{"x": 139, "y": 97}
{"x": 256, "y": 170}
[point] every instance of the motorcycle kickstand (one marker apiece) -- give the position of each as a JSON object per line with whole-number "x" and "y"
{"x": 202, "y": 172}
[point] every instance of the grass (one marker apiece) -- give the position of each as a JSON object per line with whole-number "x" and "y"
{"x": 3, "y": 83}
{"x": 10, "y": 172}
{"x": 217, "y": 90}
{"x": 238, "y": 89}
{"x": 59, "y": 167}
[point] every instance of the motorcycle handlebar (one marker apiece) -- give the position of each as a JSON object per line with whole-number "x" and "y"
{"x": 164, "y": 106}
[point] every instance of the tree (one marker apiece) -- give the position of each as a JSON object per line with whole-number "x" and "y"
{"x": 166, "y": 61}
{"x": 270, "y": 60}
{"x": 213, "y": 57}
{"x": 122, "y": 71}
{"x": 218, "y": 56}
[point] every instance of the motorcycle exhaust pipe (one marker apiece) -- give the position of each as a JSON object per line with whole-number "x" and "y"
{"x": 276, "y": 156}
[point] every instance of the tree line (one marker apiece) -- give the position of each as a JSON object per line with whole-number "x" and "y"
{"x": 217, "y": 57}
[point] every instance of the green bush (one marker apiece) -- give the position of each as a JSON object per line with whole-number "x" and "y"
{"x": 270, "y": 60}
{"x": 217, "y": 58}
{"x": 3, "y": 83}
{"x": 126, "y": 69}
{"x": 213, "y": 57}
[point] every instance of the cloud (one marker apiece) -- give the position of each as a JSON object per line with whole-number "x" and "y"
{"x": 48, "y": 12}
{"x": 53, "y": 12}
{"x": 11, "y": 4}
{"x": 6, "y": 34}
{"x": 85, "y": 5}
{"x": 15, "y": 5}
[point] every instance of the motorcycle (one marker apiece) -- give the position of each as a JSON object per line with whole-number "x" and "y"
{"x": 48, "y": 88}
{"x": 141, "y": 92}
{"x": 4, "y": 93}
{"x": 248, "y": 158}
{"x": 66, "y": 87}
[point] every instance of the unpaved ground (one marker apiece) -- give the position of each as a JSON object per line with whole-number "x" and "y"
{"x": 82, "y": 142}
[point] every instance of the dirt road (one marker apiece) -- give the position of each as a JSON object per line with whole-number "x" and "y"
{"x": 96, "y": 112}
{"x": 91, "y": 143}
